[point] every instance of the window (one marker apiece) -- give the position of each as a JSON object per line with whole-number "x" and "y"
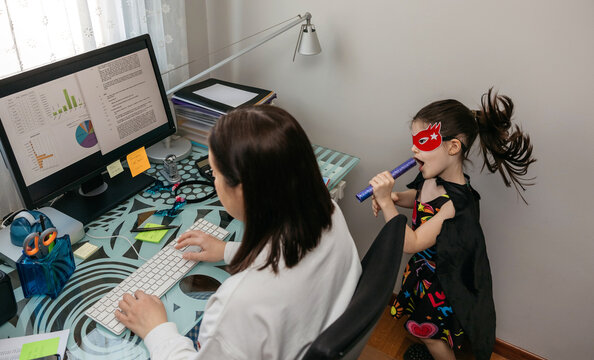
{"x": 37, "y": 32}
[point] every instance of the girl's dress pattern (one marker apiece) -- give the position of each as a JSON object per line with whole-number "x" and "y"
{"x": 422, "y": 298}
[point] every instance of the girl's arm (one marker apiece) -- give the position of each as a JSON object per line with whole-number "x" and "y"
{"x": 382, "y": 186}
{"x": 405, "y": 199}
{"x": 425, "y": 235}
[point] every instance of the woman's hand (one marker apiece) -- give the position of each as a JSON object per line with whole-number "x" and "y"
{"x": 213, "y": 249}
{"x": 141, "y": 313}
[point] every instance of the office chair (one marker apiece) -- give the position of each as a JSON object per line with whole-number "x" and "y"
{"x": 346, "y": 337}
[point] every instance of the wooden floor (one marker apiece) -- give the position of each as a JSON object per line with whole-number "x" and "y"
{"x": 390, "y": 340}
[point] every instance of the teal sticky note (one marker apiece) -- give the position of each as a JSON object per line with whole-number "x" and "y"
{"x": 37, "y": 349}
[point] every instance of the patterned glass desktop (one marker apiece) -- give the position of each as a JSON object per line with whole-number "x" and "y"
{"x": 115, "y": 260}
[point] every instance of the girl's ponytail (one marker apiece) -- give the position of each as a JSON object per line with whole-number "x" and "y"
{"x": 508, "y": 153}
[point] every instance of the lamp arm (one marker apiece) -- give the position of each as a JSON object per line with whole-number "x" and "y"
{"x": 306, "y": 16}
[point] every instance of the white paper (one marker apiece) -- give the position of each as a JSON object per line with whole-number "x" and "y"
{"x": 226, "y": 95}
{"x": 10, "y": 349}
{"x": 125, "y": 103}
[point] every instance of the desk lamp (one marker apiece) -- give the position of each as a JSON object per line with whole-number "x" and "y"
{"x": 307, "y": 44}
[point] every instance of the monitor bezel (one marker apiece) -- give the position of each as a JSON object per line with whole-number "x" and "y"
{"x": 96, "y": 163}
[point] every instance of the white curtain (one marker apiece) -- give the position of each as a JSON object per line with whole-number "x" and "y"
{"x": 38, "y": 32}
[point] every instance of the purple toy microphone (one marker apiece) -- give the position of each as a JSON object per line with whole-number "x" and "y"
{"x": 400, "y": 169}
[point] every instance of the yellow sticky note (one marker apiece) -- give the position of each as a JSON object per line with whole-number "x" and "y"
{"x": 138, "y": 161}
{"x": 152, "y": 236}
{"x": 86, "y": 250}
{"x": 114, "y": 168}
{"x": 37, "y": 349}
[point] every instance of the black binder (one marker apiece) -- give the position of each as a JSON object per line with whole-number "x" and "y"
{"x": 187, "y": 95}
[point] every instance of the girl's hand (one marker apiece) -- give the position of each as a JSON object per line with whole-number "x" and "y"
{"x": 375, "y": 206}
{"x": 382, "y": 185}
{"x": 141, "y": 313}
{"x": 213, "y": 249}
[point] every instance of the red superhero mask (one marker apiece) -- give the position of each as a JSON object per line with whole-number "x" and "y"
{"x": 428, "y": 139}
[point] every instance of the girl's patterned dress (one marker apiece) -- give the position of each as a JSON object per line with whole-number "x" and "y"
{"x": 422, "y": 297}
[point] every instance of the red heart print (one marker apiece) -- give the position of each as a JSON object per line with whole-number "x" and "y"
{"x": 424, "y": 330}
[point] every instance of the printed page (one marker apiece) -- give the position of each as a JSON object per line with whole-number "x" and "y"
{"x": 45, "y": 124}
{"x": 126, "y": 101}
{"x": 226, "y": 95}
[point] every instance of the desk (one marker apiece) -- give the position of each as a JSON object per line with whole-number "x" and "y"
{"x": 115, "y": 260}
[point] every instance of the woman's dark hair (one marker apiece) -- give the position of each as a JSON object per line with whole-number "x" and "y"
{"x": 286, "y": 202}
{"x": 505, "y": 148}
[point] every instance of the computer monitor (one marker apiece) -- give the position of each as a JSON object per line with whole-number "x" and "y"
{"x": 62, "y": 124}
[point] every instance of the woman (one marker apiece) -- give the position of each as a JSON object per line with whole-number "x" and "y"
{"x": 294, "y": 271}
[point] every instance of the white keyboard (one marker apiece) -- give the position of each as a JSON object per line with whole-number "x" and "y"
{"x": 154, "y": 277}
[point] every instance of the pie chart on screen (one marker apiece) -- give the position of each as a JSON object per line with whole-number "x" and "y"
{"x": 85, "y": 134}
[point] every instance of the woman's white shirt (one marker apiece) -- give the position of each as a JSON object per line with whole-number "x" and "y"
{"x": 257, "y": 314}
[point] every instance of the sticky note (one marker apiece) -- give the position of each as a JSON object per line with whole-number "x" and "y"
{"x": 85, "y": 251}
{"x": 152, "y": 236}
{"x": 114, "y": 168}
{"x": 37, "y": 349}
{"x": 138, "y": 161}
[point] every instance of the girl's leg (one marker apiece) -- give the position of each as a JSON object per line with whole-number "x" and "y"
{"x": 439, "y": 349}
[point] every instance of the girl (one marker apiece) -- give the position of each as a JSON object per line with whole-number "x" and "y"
{"x": 296, "y": 268}
{"x": 446, "y": 288}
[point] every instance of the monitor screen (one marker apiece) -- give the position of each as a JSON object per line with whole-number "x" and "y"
{"x": 63, "y": 123}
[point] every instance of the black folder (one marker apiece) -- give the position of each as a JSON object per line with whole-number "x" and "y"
{"x": 187, "y": 95}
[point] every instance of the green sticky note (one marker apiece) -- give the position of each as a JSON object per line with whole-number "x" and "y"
{"x": 39, "y": 349}
{"x": 152, "y": 236}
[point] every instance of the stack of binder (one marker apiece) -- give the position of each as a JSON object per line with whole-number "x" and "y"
{"x": 197, "y": 107}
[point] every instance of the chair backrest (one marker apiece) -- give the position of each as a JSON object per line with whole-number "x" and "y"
{"x": 346, "y": 337}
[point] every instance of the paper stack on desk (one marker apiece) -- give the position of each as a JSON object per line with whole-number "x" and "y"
{"x": 197, "y": 107}
{"x": 34, "y": 346}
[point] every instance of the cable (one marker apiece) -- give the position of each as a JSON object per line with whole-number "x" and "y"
{"x": 8, "y": 218}
{"x": 117, "y": 236}
{"x": 177, "y": 186}
{"x": 55, "y": 199}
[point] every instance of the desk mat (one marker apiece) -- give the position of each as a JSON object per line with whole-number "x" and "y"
{"x": 112, "y": 263}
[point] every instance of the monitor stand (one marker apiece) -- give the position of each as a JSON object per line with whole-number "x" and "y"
{"x": 88, "y": 207}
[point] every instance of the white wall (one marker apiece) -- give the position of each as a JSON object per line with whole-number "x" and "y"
{"x": 383, "y": 60}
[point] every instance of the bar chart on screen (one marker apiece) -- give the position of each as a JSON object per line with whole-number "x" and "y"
{"x": 41, "y": 153}
{"x": 61, "y": 98}
{"x": 61, "y": 105}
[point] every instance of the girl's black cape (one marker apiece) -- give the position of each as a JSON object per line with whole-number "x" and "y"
{"x": 463, "y": 266}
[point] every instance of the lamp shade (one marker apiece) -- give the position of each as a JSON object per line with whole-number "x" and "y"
{"x": 309, "y": 44}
